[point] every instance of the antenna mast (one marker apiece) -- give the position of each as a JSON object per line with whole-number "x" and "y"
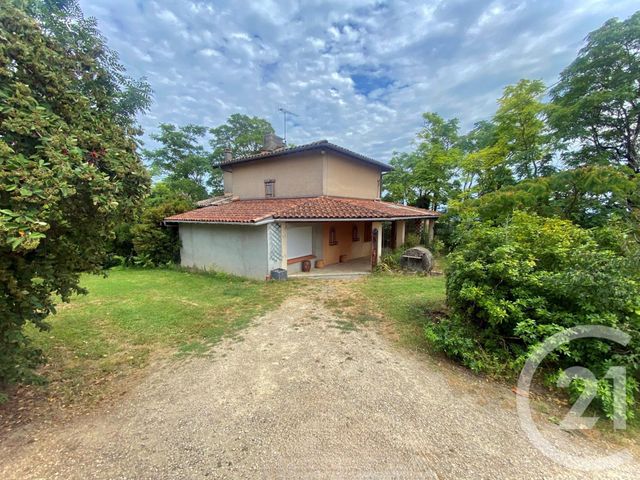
{"x": 286, "y": 112}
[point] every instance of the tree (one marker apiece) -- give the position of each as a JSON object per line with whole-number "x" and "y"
{"x": 399, "y": 183}
{"x": 154, "y": 243}
{"x": 521, "y": 129}
{"x": 438, "y": 160}
{"x": 243, "y": 134}
{"x": 596, "y": 103}
{"x": 68, "y": 168}
{"x": 181, "y": 159}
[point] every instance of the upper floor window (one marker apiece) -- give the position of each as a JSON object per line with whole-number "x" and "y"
{"x": 269, "y": 188}
{"x": 355, "y": 234}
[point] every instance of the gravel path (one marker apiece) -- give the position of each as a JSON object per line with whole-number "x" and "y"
{"x": 298, "y": 397}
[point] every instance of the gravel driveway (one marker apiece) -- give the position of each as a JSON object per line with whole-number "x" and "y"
{"x": 299, "y": 396}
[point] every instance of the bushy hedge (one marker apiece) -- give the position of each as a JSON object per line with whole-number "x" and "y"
{"x": 154, "y": 243}
{"x": 510, "y": 287}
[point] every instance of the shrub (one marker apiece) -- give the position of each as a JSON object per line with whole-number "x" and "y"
{"x": 390, "y": 260}
{"x": 411, "y": 240}
{"x": 154, "y": 243}
{"x": 510, "y": 287}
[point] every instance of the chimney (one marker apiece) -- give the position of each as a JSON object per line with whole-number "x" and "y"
{"x": 228, "y": 156}
{"x": 272, "y": 142}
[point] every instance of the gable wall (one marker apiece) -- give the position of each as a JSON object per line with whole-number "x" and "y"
{"x": 350, "y": 178}
{"x": 295, "y": 176}
{"x": 306, "y": 175}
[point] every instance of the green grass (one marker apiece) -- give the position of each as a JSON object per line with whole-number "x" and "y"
{"x": 408, "y": 300}
{"x": 133, "y": 314}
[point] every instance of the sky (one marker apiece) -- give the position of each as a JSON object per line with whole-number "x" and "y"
{"x": 357, "y": 73}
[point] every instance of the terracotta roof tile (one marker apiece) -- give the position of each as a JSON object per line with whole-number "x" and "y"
{"x": 313, "y": 208}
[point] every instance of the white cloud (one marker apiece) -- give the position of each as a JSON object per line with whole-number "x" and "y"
{"x": 359, "y": 73}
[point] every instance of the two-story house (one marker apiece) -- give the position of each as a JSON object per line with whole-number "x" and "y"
{"x": 318, "y": 202}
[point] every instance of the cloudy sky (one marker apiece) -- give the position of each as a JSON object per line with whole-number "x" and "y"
{"x": 358, "y": 73}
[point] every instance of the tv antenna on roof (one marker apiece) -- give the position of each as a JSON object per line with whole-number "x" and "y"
{"x": 286, "y": 112}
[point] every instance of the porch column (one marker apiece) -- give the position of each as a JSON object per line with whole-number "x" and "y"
{"x": 375, "y": 256}
{"x": 431, "y": 223}
{"x": 399, "y": 229}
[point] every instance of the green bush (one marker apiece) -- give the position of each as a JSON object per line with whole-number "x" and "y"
{"x": 510, "y": 287}
{"x": 390, "y": 260}
{"x": 154, "y": 243}
{"x": 411, "y": 240}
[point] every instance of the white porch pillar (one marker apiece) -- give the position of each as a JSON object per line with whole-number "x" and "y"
{"x": 431, "y": 223}
{"x": 376, "y": 226}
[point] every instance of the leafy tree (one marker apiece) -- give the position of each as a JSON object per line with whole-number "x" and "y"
{"x": 399, "y": 183}
{"x": 425, "y": 177}
{"x": 68, "y": 168}
{"x": 154, "y": 243}
{"x": 438, "y": 157}
{"x": 521, "y": 129}
{"x": 181, "y": 159}
{"x": 596, "y": 103}
{"x": 243, "y": 134}
{"x": 64, "y": 22}
{"x": 484, "y": 165}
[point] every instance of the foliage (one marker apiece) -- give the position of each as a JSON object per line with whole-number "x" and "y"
{"x": 588, "y": 196}
{"x": 521, "y": 129}
{"x": 181, "y": 159}
{"x": 154, "y": 243}
{"x": 68, "y": 165}
{"x": 188, "y": 167}
{"x": 595, "y": 103}
{"x": 511, "y": 286}
{"x": 389, "y": 260}
{"x": 243, "y": 134}
{"x": 422, "y": 177}
{"x": 411, "y": 240}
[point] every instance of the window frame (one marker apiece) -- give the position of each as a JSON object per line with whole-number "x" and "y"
{"x": 355, "y": 234}
{"x": 333, "y": 237}
{"x": 270, "y": 184}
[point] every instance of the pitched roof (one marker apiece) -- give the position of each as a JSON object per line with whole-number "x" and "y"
{"x": 312, "y": 208}
{"x": 320, "y": 145}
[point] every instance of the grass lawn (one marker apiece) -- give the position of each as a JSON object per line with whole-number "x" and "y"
{"x": 133, "y": 314}
{"x": 406, "y": 300}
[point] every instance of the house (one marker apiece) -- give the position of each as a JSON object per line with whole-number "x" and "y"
{"x": 318, "y": 202}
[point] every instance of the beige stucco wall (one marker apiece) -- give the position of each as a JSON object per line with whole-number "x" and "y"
{"x": 350, "y": 178}
{"x": 346, "y": 245}
{"x": 305, "y": 175}
{"x": 295, "y": 176}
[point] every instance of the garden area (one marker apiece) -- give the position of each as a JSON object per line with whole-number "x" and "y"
{"x": 131, "y": 317}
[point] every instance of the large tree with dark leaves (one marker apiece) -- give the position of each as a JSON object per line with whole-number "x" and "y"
{"x": 68, "y": 163}
{"x": 182, "y": 160}
{"x": 596, "y": 103}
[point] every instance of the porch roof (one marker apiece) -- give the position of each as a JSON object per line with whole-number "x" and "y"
{"x": 321, "y": 208}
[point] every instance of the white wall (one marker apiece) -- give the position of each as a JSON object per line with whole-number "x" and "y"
{"x": 236, "y": 249}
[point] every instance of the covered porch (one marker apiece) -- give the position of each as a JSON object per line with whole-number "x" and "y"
{"x": 336, "y": 247}
{"x": 350, "y": 269}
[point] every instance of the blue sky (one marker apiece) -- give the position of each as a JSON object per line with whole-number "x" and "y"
{"x": 358, "y": 73}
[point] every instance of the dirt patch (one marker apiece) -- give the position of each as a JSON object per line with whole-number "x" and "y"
{"x": 299, "y": 398}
